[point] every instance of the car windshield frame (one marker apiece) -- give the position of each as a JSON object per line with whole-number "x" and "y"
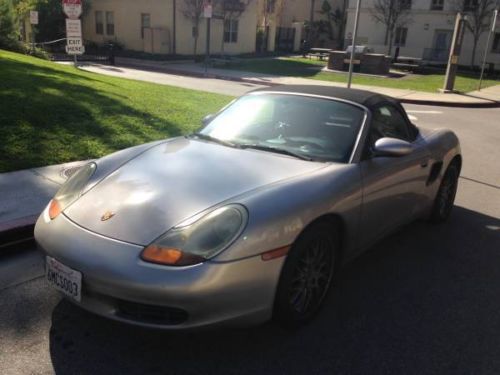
{"x": 347, "y": 160}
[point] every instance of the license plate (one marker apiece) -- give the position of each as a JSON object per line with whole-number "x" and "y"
{"x": 65, "y": 279}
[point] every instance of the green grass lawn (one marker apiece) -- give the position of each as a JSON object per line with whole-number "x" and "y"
{"x": 309, "y": 68}
{"x": 52, "y": 113}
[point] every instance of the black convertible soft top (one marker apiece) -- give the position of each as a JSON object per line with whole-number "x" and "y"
{"x": 366, "y": 98}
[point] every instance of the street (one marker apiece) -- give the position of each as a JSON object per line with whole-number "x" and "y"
{"x": 425, "y": 300}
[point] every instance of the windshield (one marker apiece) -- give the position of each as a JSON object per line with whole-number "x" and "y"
{"x": 302, "y": 126}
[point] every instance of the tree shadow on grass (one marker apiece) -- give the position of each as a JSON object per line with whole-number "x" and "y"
{"x": 50, "y": 116}
{"x": 424, "y": 300}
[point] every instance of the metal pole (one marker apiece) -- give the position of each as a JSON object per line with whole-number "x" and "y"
{"x": 174, "y": 28}
{"x": 354, "y": 35}
{"x": 75, "y": 61}
{"x": 207, "y": 56}
{"x": 492, "y": 30}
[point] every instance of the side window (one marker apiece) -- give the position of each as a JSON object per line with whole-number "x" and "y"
{"x": 387, "y": 121}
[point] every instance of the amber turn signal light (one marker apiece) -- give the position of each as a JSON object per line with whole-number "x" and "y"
{"x": 54, "y": 209}
{"x": 169, "y": 256}
{"x": 276, "y": 253}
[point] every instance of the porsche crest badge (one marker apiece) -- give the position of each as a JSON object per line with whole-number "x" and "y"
{"x": 107, "y": 215}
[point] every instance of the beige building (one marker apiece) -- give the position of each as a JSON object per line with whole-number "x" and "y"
{"x": 285, "y": 21}
{"x": 150, "y": 26}
{"x": 428, "y": 34}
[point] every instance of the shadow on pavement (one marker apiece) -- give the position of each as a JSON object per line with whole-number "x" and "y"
{"x": 426, "y": 300}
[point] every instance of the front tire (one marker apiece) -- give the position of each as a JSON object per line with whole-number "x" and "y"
{"x": 307, "y": 275}
{"x": 445, "y": 197}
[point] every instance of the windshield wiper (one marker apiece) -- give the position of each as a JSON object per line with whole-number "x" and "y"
{"x": 207, "y": 137}
{"x": 276, "y": 150}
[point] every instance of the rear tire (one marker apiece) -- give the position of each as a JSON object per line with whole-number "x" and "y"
{"x": 445, "y": 197}
{"x": 307, "y": 275}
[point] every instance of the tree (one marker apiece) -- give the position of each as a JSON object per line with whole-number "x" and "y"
{"x": 193, "y": 10}
{"x": 269, "y": 11}
{"x": 229, "y": 10}
{"x": 392, "y": 14}
{"x": 51, "y": 18}
{"x": 335, "y": 17}
{"x": 8, "y": 33}
{"x": 479, "y": 14}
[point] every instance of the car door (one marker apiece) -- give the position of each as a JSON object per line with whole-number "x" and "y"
{"x": 393, "y": 187}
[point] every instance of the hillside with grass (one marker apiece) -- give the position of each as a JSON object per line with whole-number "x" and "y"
{"x": 52, "y": 113}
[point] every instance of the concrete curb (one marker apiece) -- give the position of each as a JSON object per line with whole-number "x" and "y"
{"x": 169, "y": 70}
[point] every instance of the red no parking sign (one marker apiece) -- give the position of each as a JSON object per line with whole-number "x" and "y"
{"x": 72, "y": 8}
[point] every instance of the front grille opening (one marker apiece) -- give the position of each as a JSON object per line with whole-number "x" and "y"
{"x": 150, "y": 313}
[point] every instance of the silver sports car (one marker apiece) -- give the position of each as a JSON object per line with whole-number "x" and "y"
{"x": 249, "y": 218}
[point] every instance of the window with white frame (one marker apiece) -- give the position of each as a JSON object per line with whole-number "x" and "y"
{"x": 405, "y": 4}
{"x": 110, "y": 23}
{"x": 145, "y": 22}
{"x": 99, "y": 23}
{"x": 470, "y": 5}
{"x": 230, "y": 31}
{"x": 437, "y": 4}
{"x": 495, "y": 48}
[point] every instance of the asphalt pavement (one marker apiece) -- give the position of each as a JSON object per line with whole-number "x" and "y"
{"x": 423, "y": 301}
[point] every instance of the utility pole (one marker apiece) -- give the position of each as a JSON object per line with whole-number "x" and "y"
{"x": 353, "y": 50}
{"x": 492, "y": 30}
{"x": 456, "y": 48}
{"x": 174, "y": 26}
{"x": 207, "y": 13}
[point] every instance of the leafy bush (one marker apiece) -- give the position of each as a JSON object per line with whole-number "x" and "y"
{"x": 8, "y": 32}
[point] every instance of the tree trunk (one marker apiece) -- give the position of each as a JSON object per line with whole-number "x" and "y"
{"x": 473, "y": 57}
{"x": 391, "y": 36}
{"x": 311, "y": 16}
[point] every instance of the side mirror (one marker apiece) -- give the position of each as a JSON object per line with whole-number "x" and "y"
{"x": 207, "y": 119}
{"x": 392, "y": 147}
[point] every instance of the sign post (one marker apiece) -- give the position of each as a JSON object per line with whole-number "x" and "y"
{"x": 353, "y": 51}
{"x": 33, "y": 22}
{"x": 207, "y": 13}
{"x": 74, "y": 43}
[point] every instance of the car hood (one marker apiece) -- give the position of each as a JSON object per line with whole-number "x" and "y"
{"x": 173, "y": 181}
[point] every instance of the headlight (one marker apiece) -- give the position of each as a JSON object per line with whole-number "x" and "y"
{"x": 71, "y": 190}
{"x": 196, "y": 242}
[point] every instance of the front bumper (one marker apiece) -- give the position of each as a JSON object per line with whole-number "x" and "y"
{"x": 117, "y": 284}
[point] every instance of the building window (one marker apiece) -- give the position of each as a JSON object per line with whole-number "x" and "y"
{"x": 437, "y": 4}
{"x": 405, "y": 4}
{"x": 495, "y": 48}
{"x": 230, "y": 31}
{"x": 270, "y": 6}
{"x": 110, "y": 23}
{"x": 400, "y": 39}
{"x": 145, "y": 23}
{"x": 470, "y": 5}
{"x": 99, "y": 24}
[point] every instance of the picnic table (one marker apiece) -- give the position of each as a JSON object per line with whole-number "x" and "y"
{"x": 319, "y": 53}
{"x": 408, "y": 63}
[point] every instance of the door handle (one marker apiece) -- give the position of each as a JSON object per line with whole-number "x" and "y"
{"x": 424, "y": 163}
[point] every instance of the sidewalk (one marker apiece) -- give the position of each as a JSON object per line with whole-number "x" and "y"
{"x": 489, "y": 97}
{"x": 25, "y": 194}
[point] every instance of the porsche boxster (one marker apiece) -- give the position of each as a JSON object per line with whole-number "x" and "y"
{"x": 250, "y": 217}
